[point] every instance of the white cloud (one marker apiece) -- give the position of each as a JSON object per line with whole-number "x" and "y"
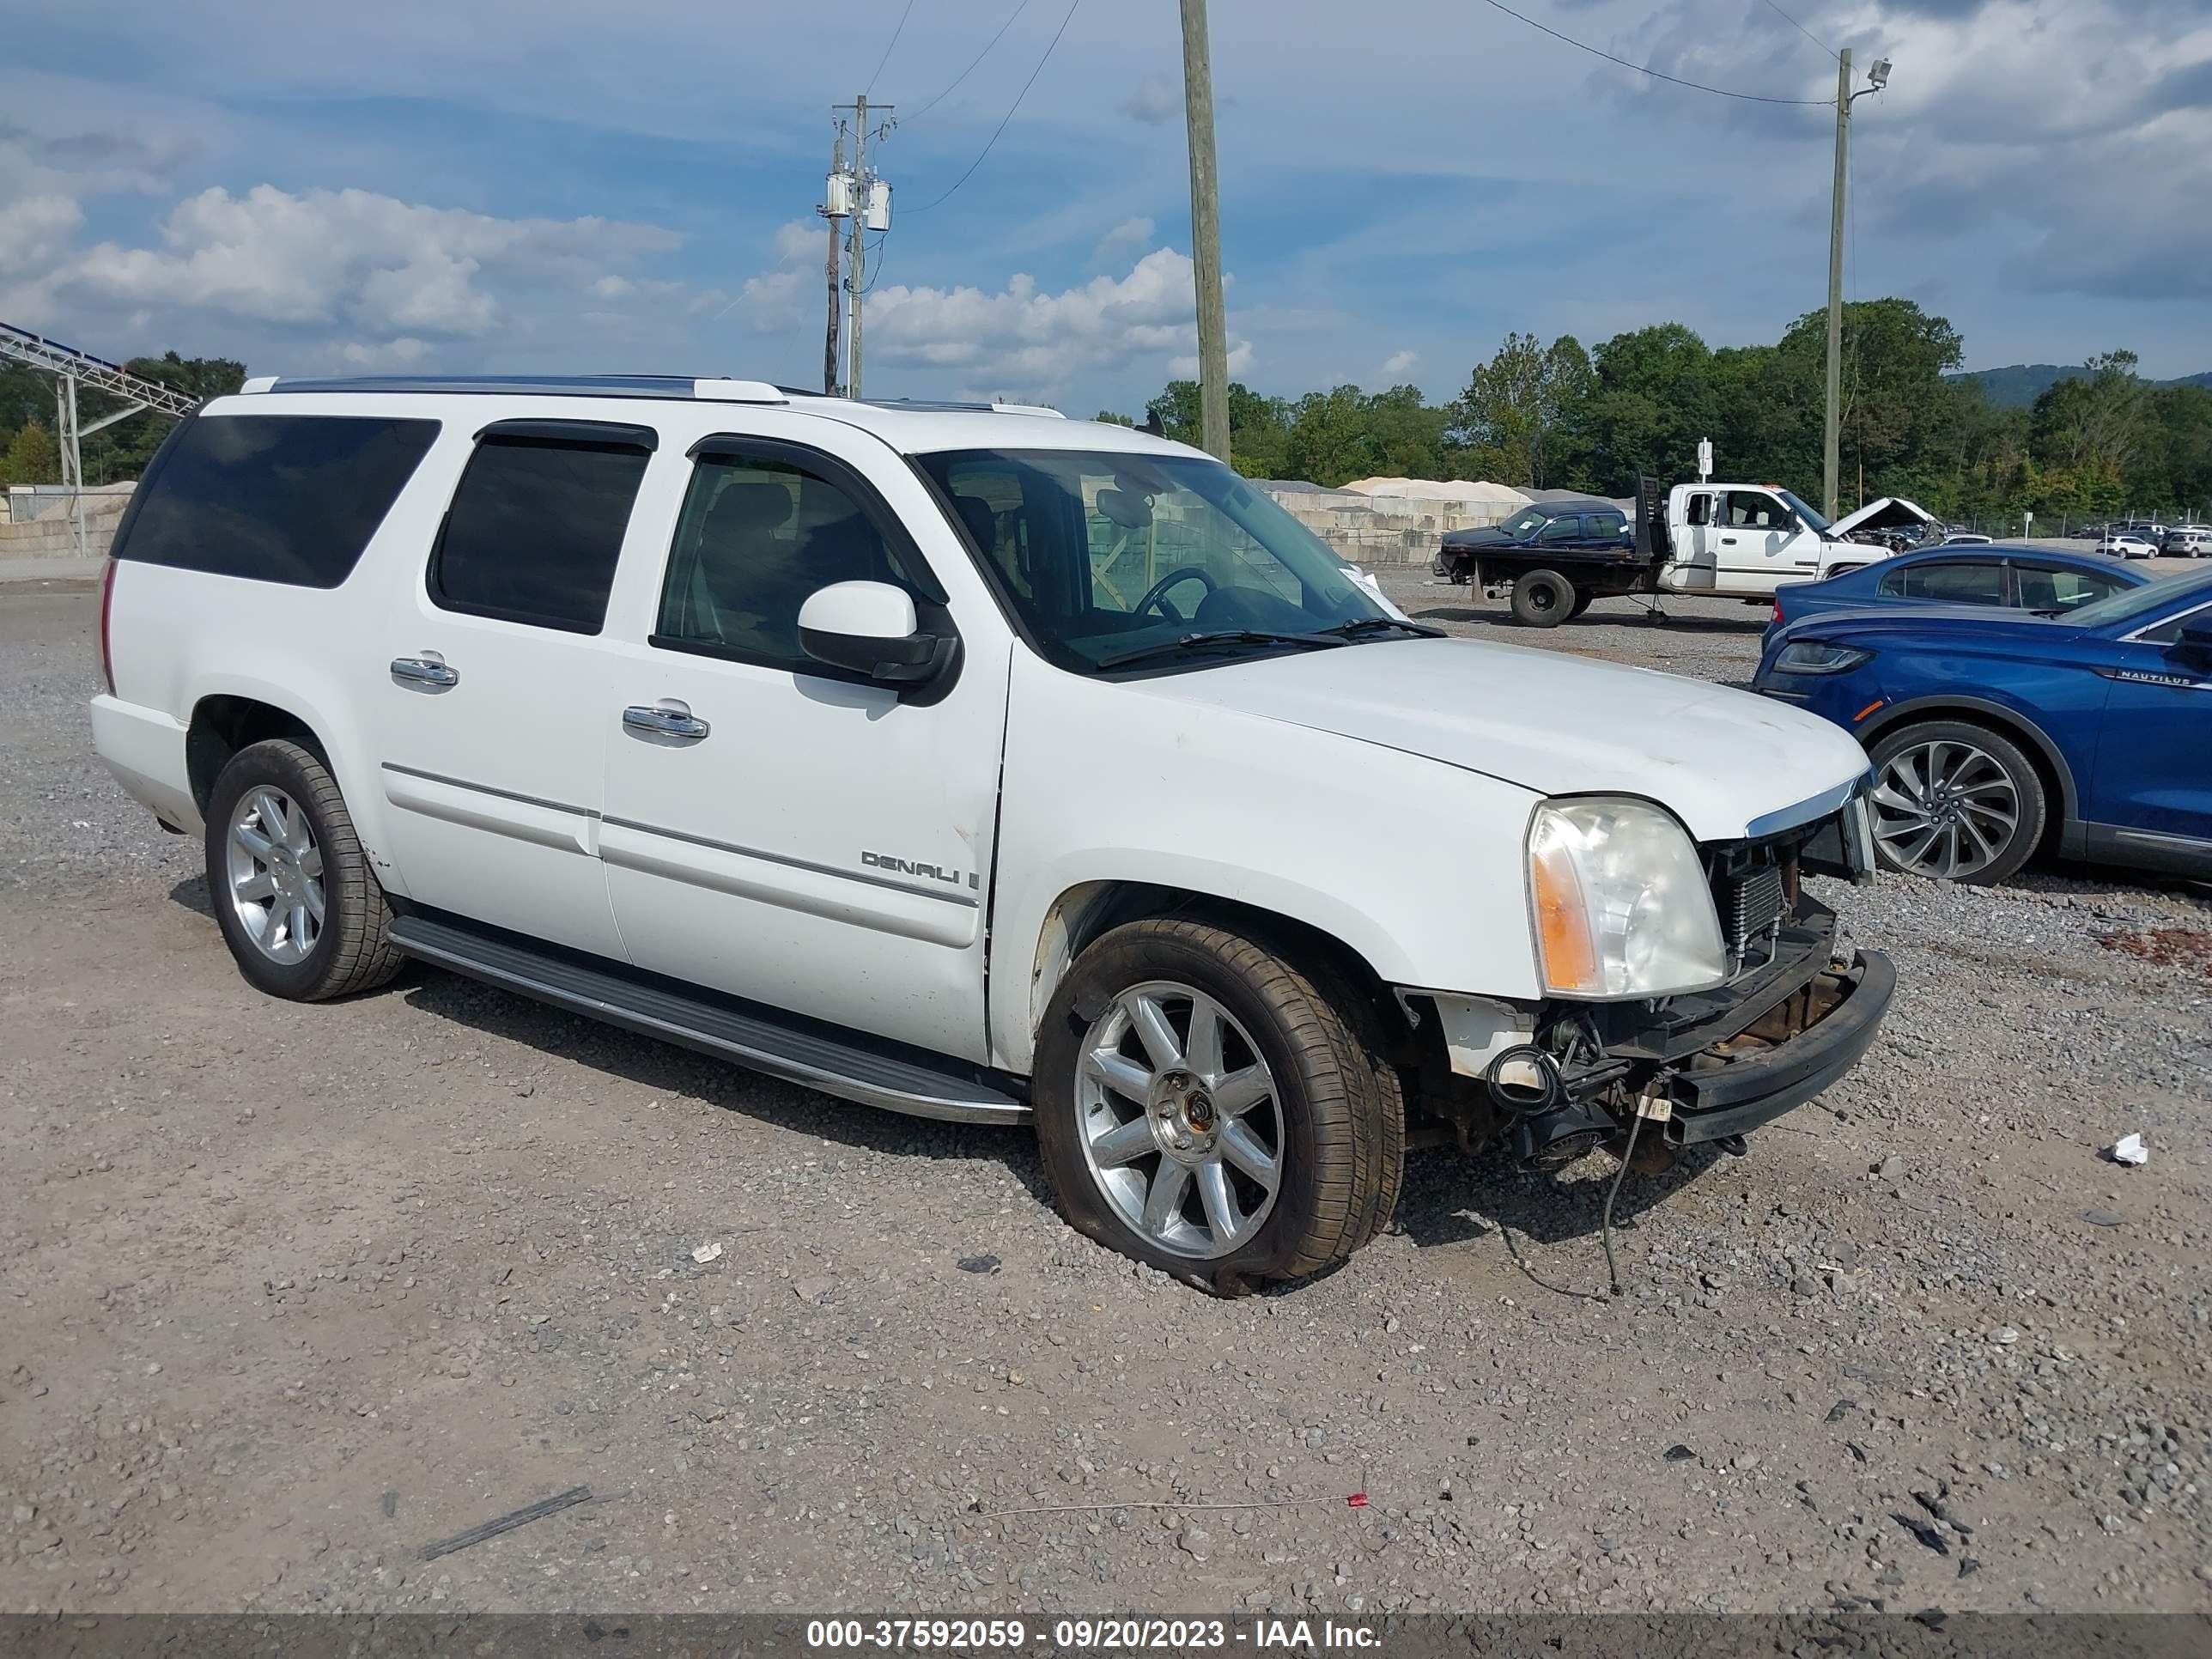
{"x": 1241, "y": 358}
{"x": 1157, "y": 100}
{"x": 1133, "y": 233}
{"x": 799, "y": 240}
{"x": 614, "y": 288}
{"x": 385, "y": 354}
{"x": 1038, "y": 340}
{"x": 367, "y": 260}
{"x": 1401, "y": 362}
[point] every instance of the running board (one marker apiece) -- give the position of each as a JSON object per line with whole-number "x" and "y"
{"x": 749, "y": 1039}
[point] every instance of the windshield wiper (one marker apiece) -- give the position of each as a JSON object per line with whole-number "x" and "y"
{"x": 1220, "y": 637}
{"x": 1359, "y": 625}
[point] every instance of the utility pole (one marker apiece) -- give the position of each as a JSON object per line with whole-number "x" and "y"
{"x": 832, "y": 209}
{"x": 1832, "y": 440}
{"x": 1832, "y": 446}
{"x": 1205, "y": 231}
{"x": 871, "y": 210}
{"x": 856, "y": 262}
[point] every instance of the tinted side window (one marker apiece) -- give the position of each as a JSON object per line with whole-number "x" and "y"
{"x": 757, "y": 536}
{"x": 534, "y": 531}
{"x": 1957, "y": 584}
{"x": 1700, "y": 510}
{"x": 1569, "y": 529}
{"x": 273, "y": 498}
{"x": 1606, "y": 526}
{"x": 1754, "y": 509}
{"x": 2169, "y": 631}
{"x": 1894, "y": 585}
{"x": 2044, "y": 589}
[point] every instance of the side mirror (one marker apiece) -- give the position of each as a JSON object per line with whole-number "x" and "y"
{"x": 870, "y": 628}
{"x": 2194, "y": 644}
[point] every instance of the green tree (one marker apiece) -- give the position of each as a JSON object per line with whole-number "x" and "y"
{"x": 31, "y": 457}
{"x": 1652, "y": 399}
{"x": 122, "y": 451}
{"x": 1332, "y": 438}
{"x": 1520, "y": 407}
{"x": 2097, "y": 420}
{"x": 1111, "y": 419}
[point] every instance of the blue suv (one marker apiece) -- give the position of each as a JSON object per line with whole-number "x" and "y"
{"x": 1994, "y": 733}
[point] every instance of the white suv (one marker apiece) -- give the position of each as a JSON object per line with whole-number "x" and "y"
{"x": 973, "y": 763}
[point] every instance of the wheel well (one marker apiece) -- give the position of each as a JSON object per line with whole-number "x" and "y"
{"x": 1082, "y": 913}
{"x": 222, "y": 725}
{"x": 2031, "y": 744}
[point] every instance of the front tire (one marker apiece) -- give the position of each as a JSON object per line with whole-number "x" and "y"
{"x": 302, "y": 912}
{"x": 1955, "y": 802}
{"x": 1543, "y": 599}
{"x": 1210, "y": 1109}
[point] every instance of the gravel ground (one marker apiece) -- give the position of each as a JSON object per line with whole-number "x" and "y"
{"x": 291, "y": 1291}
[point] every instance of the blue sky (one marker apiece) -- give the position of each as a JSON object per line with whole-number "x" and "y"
{"x": 499, "y": 184}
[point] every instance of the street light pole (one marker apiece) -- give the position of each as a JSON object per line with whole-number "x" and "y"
{"x": 1831, "y": 444}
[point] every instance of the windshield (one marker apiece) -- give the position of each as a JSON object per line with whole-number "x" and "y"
{"x": 1101, "y": 554}
{"x": 2130, "y": 603}
{"x": 1813, "y": 521}
{"x": 1526, "y": 522}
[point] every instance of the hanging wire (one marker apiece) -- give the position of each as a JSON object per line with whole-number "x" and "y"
{"x": 970, "y": 70}
{"x": 1801, "y": 29}
{"x": 1672, "y": 80}
{"x": 1025, "y": 93}
{"x": 886, "y": 58}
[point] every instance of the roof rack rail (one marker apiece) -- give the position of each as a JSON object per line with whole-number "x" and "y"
{"x": 557, "y": 386}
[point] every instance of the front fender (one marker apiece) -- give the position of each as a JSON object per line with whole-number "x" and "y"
{"x": 1415, "y": 865}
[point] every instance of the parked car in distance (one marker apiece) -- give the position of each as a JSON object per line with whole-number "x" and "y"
{"x": 2187, "y": 541}
{"x": 1994, "y": 734}
{"x": 1966, "y": 538}
{"x": 2120, "y": 545}
{"x": 974, "y": 763}
{"x": 2016, "y": 578}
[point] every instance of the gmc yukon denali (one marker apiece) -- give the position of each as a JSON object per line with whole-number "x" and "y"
{"x": 974, "y": 764}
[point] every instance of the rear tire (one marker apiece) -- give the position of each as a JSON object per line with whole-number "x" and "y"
{"x": 1283, "y": 1096}
{"x": 1543, "y": 599}
{"x": 1955, "y": 802}
{"x": 302, "y": 912}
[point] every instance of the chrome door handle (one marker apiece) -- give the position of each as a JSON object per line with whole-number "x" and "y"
{"x": 424, "y": 671}
{"x": 678, "y": 723}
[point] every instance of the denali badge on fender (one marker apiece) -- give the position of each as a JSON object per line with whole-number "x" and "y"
{"x": 934, "y": 871}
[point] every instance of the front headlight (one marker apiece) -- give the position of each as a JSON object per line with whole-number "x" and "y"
{"x": 1622, "y": 906}
{"x": 1818, "y": 656}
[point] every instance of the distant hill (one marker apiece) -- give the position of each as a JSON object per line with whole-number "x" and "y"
{"x": 2023, "y": 383}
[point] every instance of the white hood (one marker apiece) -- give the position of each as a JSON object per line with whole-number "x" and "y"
{"x": 1555, "y": 724}
{"x": 1890, "y": 512}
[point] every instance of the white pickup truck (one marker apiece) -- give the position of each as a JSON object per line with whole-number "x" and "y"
{"x": 1553, "y": 558}
{"x": 982, "y": 765}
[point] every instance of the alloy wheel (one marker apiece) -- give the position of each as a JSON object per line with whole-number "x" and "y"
{"x": 1945, "y": 809}
{"x": 276, "y": 873}
{"x": 1182, "y": 1121}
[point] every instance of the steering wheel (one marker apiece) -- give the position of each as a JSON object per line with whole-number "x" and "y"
{"x": 1156, "y": 593}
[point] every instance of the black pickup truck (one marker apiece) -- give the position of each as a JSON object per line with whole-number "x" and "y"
{"x": 1584, "y": 533}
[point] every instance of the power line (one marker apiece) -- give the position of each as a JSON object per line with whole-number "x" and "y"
{"x": 1025, "y": 93}
{"x": 1801, "y": 29}
{"x": 886, "y": 58}
{"x": 1672, "y": 80}
{"x": 979, "y": 57}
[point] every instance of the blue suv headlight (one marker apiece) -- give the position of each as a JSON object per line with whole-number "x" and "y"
{"x": 1819, "y": 657}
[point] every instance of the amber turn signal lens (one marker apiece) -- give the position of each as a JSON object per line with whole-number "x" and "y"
{"x": 1563, "y": 929}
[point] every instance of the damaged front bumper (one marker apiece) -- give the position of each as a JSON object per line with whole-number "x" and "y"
{"x": 1723, "y": 1061}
